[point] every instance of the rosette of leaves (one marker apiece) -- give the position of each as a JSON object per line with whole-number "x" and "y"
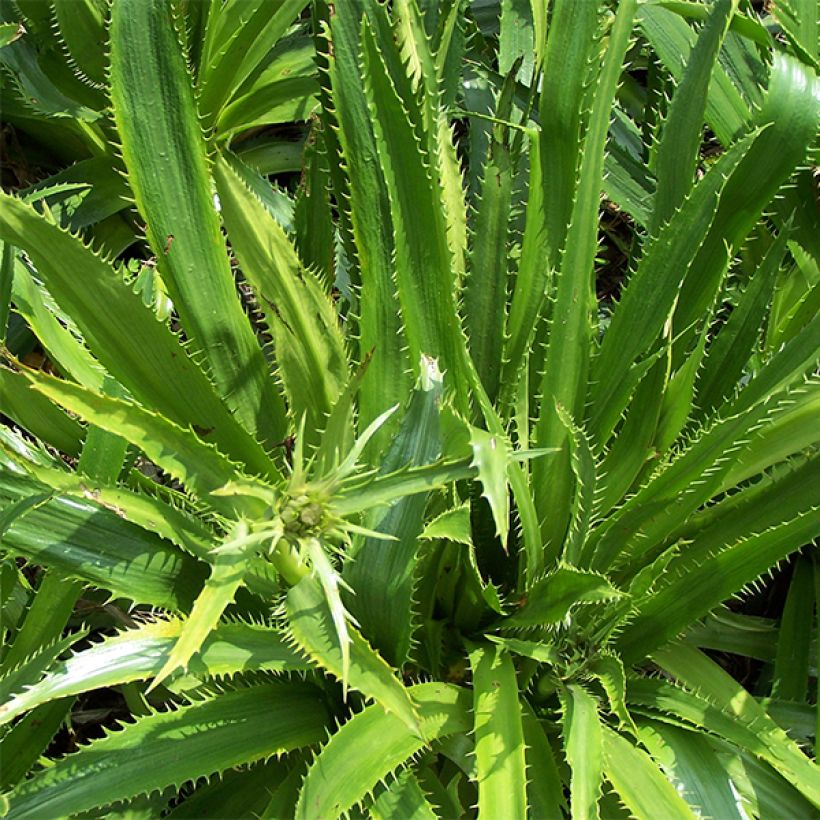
{"x": 436, "y": 530}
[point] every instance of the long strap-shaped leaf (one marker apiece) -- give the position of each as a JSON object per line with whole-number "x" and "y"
{"x": 382, "y": 573}
{"x": 308, "y": 343}
{"x": 789, "y": 118}
{"x": 671, "y": 702}
{"x": 143, "y": 509}
{"x": 650, "y": 295}
{"x": 672, "y": 38}
{"x": 218, "y": 733}
{"x": 164, "y": 152}
{"x": 63, "y": 346}
{"x": 386, "y": 382}
{"x": 719, "y": 567}
{"x": 583, "y": 742}
{"x": 565, "y": 374}
{"x": 229, "y": 565}
{"x": 570, "y": 39}
{"x": 240, "y": 34}
{"x": 314, "y": 630}
{"x": 201, "y": 467}
{"x": 85, "y": 541}
{"x": 123, "y": 334}
{"x": 690, "y": 762}
{"x": 677, "y": 153}
{"x": 639, "y": 783}
{"x": 416, "y": 54}
{"x": 704, "y": 676}
{"x": 337, "y": 780}
{"x": 485, "y": 288}
{"x": 424, "y": 272}
{"x": 499, "y": 736}
{"x": 138, "y": 654}
{"x": 37, "y": 415}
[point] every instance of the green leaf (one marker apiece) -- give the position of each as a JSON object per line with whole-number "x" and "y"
{"x": 516, "y": 37}
{"x": 695, "y": 670}
{"x": 693, "y": 767}
{"x": 722, "y": 561}
{"x": 86, "y": 193}
{"x": 545, "y": 791}
{"x": 787, "y": 124}
{"x": 582, "y": 463}
{"x": 82, "y": 24}
{"x": 57, "y": 334}
{"x": 311, "y": 621}
{"x": 37, "y": 415}
{"x": 43, "y": 84}
{"x": 609, "y": 670}
{"x": 221, "y": 732}
{"x": 540, "y": 652}
{"x": 735, "y": 342}
{"x": 227, "y": 571}
{"x": 485, "y": 286}
{"x": 423, "y": 260}
{"x": 6, "y": 281}
{"x": 9, "y": 32}
{"x": 672, "y": 39}
{"x": 336, "y": 780}
{"x": 491, "y": 457}
{"x": 366, "y": 493}
{"x": 37, "y": 642}
{"x": 550, "y": 599}
{"x": 761, "y": 789}
{"x": 678, "y": 487}
{"x": 725, "y": 631}
{"x": 315, "y": 233}
{"x": 677, "y": 152}
{"x": 239, "y": 37}
{"x": 583, "y": 742}
{"x": 138, "y": 654}
{"x": 452, "y": 525}
{"x": 330, "y": 581}
{"x": 629, "y": 451}
{"x": 123, "y": 334}
{"x": 677, "y": 402}
{"x": 281, "y": 100}
{"x": 791, "y": 665}
{"x": 308, "y": 344}
{"x": 651, "y": 293}
{"x": 85, "y": 541}
{"x": 104, "y": 453}
{"x": 152, "y": 514}
{"x": 403, "y": 798}
{"x": 499, "y": 736}
{"x": 382, "y": 573}
{"x": 26, "y": 666}
{"x": 529, "y": 289}
{"x": 564, "y": 382}
{"x": 22, "y": 746}
{"x": 798, "y": 19}
{"x": 164, "y": 152}
{"x": 278, "y": 100}
{"x": 426, "y": 111}
{"x": 201, "y": 467}
{"x": 387, "y": 381}
{"x": 627, "y": 180}
{"x": 643, "y": 789}
{"x": 571, "y": 38}
{"x": 237, "y": 793}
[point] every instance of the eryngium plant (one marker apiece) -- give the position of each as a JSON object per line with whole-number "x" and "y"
{"x": 415, "y": 523}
